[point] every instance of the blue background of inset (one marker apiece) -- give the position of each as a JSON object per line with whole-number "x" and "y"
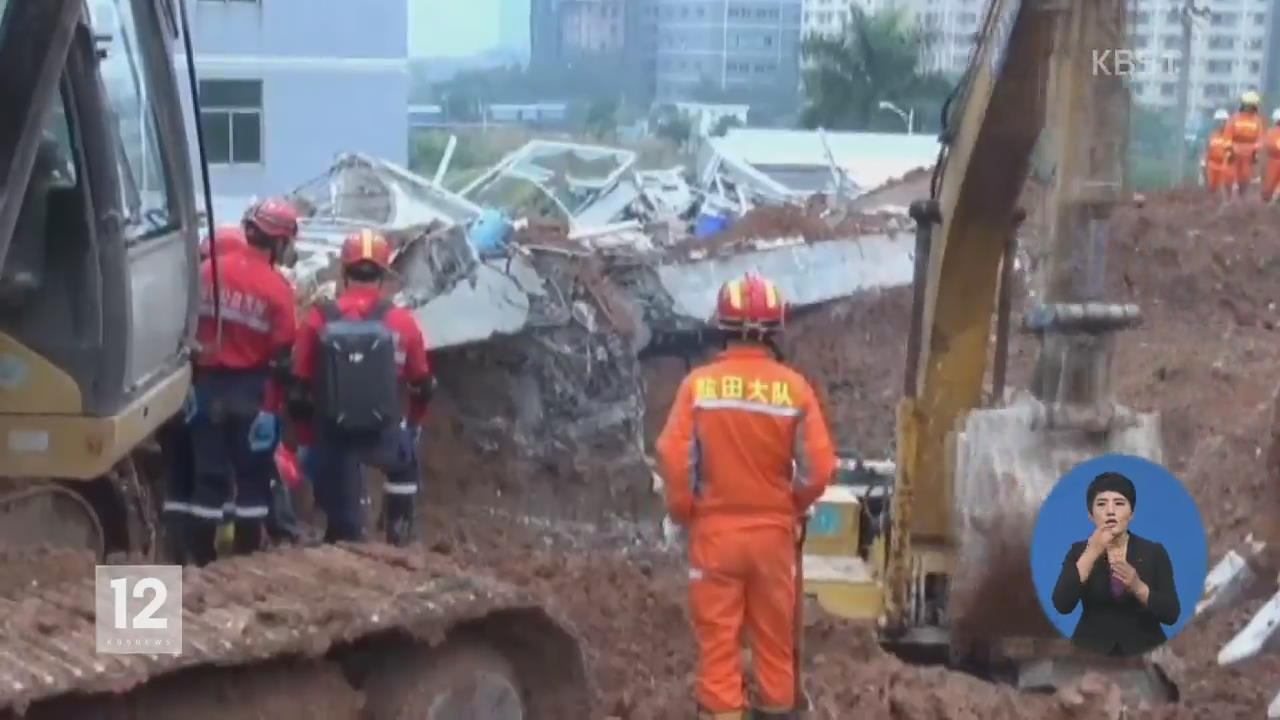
{"x": 1165, "y": 513}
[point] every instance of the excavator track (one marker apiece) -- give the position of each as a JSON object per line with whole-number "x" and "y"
{"x": 49, "y": 514}
{"x": 396, "y": 623}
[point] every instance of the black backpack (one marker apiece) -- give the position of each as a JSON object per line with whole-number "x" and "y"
{"x": 357, "y": 389}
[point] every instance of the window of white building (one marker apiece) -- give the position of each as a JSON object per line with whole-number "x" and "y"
{"x": 231, "y": 112}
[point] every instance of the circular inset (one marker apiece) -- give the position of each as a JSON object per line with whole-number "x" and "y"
{"x": 1130, "y": 526}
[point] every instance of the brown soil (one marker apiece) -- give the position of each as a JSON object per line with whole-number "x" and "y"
{"x": 1205, "y": 359}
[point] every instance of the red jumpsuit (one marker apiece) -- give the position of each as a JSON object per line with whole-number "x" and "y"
{"x": 744, "y": 453}
{"x": 338, "y": 481}
{"x": 1245, "y": 131}
{"x": 233, "y": 387}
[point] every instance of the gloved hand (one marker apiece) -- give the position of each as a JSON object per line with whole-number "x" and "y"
{"x": 415, "y": 431}
{"x": 264, "y": 433}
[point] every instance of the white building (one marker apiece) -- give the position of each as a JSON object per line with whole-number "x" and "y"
{"x": 286, "y": 85}
{"x": 1229, "y": 44}
{"x": 827, "y": 17}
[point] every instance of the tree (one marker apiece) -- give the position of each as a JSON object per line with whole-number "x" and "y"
{"x": 671, "y": 124}
{"x": 876, "y": 59}
{"x": 724, "y": 123}
{"x": 602, "y": 118}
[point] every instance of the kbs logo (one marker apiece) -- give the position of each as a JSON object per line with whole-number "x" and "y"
{"x": 1135, "y": 63}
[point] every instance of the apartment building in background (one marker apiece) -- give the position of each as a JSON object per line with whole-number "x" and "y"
{"x": 1228, "y": 52}
{"x": 828, "y": 17}
{"x": 740, "y": 47}
{"x": 1271, "y": 62}
{"x": 286, "y": 85}
{"x": 1229, "y": 47}
{"x": 565, "y": 31}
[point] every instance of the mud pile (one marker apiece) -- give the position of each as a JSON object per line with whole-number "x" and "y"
{"x": 1205, "y": 358}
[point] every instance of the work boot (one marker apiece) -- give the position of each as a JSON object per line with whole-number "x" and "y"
{"x": 248, "y": 537}
{"x": 399, "y": 520}
{"x": 175, "y": 538}
{"x": 202, "y": 541}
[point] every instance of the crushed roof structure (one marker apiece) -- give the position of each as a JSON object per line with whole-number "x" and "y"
{"x": 788, "y": 165}
{"x": 557, "y": 312}
{"x": 568, "y": 181}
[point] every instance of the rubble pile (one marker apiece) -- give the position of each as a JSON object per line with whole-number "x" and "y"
{"x": 560, "y": 346}
{"x": 539, "y": 327}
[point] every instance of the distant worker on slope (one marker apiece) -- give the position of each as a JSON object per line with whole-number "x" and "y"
{"x": 744, "y": 454}
{"x": 364, "y": 385}
{"x": 234, "y": 412}
{"x": 1271, "y": 173}
{"x": 1218, "y": 163}
{"x": 1245, "y": 129}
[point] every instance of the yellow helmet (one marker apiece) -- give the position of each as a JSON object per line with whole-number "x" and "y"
{"x": 1250, "y": 98}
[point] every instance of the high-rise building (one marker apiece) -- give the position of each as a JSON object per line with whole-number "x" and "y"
{"x": 513, "y": 27}
{"x": 1229, "y": 46}
{"x": 828, "y": 17}
{"x": 745, "y": 49}
{"x": 1271, "y": 63}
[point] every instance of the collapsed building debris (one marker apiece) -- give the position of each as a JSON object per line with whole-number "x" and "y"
{"x": 559, "y": 316}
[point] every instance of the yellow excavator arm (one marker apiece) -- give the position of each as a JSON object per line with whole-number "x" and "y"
{"x": 954, "y": 565}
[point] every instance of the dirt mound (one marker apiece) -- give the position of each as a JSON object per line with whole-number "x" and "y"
{"x": 1205, "y": 358}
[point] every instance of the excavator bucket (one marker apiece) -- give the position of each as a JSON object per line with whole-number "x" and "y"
{"x": 1235, "y": 578}
{"x": 1260, "y": 635}
{"x": 1007, "y": 460}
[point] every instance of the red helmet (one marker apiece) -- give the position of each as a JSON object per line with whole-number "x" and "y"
{"x": 275, "y": 218}
{"x": 366, "y": 246}
{"x": 229, "y": 239}
{"x": 751, "y": 302}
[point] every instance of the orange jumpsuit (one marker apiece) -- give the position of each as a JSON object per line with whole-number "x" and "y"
{"x": 1245, "y": 131}
{"x": 1218, "y": 174}
{"x": 744, "y": 453}
{"x": 1271, "y": 174}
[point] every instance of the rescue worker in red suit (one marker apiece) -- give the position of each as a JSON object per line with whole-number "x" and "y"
{"x": 744, "y": 453}
{"x": 336, "y": 453}
{"x": 174, "y": 436}
{"x": 238, "y": 393}
{"x": 1245, "y": 130}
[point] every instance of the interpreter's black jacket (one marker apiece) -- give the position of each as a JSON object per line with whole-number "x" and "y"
{"x": 1119, "y": 626}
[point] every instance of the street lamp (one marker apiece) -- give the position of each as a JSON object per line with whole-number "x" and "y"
{"x": 908, "y": 117}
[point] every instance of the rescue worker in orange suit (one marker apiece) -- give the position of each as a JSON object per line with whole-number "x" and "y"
{"x": 1271, "y": 173}
{"x": 1245, "y": 130}
{"x": 1218, "y": 162}
{"x": 238, "y": 393}
{"x": 363, "y": 385}
{"x": 744, "y": 453}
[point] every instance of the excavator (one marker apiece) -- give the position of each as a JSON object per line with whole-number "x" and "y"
{"x": 934, "y": 546}
{"x": 99, "y": 240}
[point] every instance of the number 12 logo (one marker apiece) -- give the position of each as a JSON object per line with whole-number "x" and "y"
{"x": 143, "y": 620}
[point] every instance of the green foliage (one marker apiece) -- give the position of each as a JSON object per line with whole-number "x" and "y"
{"x": 671, "y": 124}
{"x": 876, "y": 59}
{"x": 1152, "y": 158}
{"x": 601, "y": 118}
{"x": 723, "y": 124}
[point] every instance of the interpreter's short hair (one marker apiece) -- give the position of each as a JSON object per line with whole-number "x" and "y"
{"x": 1114, "y": 482}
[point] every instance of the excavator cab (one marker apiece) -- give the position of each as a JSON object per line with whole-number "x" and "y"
{"x": 98, "y": 260}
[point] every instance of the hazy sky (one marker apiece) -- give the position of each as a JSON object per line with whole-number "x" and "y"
{"x": 452, "y": 27}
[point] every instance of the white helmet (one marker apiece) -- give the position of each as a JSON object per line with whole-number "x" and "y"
{"x": 1275, "y": 115}
{"x": 1220, "y": 114}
